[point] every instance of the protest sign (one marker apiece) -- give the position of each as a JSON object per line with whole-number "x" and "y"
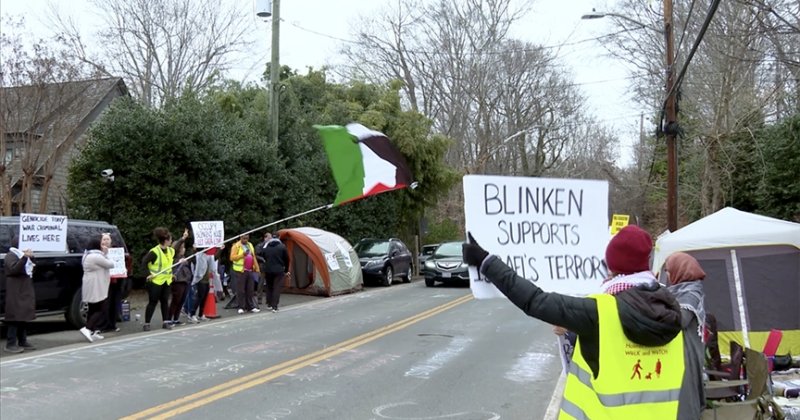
{"x": 208, "y": 234}
{"x": 330, "y": 258}
{"x": 42, "y": 232}
{"x": 118, "y": 256}
{"x": 618, "y": 221}
{"x": 566, "y": 346}
{"x": 552, "y": 231}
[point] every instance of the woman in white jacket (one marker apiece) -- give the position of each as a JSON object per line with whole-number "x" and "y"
{"x": 96, "y": 278}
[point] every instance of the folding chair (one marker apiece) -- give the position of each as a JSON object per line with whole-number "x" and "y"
{"x": 757, "y": 403}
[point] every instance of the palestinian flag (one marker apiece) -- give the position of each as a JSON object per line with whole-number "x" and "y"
{"x": 364, "y": 162}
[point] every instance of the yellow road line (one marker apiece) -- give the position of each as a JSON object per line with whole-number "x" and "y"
{"x": 223, "y": 390}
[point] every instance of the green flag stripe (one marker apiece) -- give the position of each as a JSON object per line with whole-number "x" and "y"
{"x": 346, "y": 161}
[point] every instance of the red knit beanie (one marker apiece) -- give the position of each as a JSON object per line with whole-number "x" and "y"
{"x": 628, "y": 251}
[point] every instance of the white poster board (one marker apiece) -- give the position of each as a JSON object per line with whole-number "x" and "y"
{"x": 118, "y": 256}
{"x": 552, "y": 231}
{"x": 42, "y": 232}
{"x": 208, "y": 234}
{"x": 345, "y": 255}
{"x": 330, "y": 258}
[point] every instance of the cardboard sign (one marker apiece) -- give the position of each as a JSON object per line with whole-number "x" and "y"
{"x": 208, "y": 234}
{"x": 42, "y": 232}
{"x": 118, "y": 256}
{"x": 618, "y": 221}
{"x": 551, "y": 231}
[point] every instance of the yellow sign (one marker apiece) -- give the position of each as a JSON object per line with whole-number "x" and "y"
{"x": 618, "y": 221}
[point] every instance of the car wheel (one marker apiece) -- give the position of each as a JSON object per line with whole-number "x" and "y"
{"x": 77, "y": 310}
{"x": 429, "y": 282}
{"x": 388, "y": 276}
{"x": 408, "y": 274}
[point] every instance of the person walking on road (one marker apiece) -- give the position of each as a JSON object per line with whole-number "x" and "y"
{"x": 246, "y": 270}
{"x": 114, "y": 293}
{"x": 275, "y": 268}
{"x": 96, "y": 281}
{"x": 158, "y": 262}
{"x": 20, "y": 306}
{"x": 633, "y": 322}
{"x": 200, "y": 287}
{"x": 183, "y": 276}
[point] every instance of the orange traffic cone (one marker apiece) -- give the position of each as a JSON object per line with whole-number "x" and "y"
{"x": 210, "y": 307}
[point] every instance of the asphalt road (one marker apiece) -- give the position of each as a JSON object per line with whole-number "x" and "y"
{"x": 405, "y": 352}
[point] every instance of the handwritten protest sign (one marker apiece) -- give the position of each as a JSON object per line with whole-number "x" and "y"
{"x": 42, "y": 232}
{"x": 118, "y": 256}
{"x": 208, "y": 234}
{"x": 553, "y": 232}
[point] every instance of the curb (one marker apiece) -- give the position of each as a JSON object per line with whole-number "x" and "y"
{"x": 555, "y": 399}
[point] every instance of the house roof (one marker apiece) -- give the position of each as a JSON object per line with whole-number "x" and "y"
{"x": 56, "y": 113}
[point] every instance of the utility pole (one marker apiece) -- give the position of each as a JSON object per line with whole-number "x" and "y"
{"x": 670, "y": 126}
{"x": 274, "y": 70}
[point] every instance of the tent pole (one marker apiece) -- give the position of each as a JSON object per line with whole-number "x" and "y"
{"x": 737, "y": 281}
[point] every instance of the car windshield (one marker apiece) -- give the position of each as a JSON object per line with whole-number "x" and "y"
{"x": 372, "y": 248}
{"x": 428, "y": 249}
{"x": 449, "y": 249}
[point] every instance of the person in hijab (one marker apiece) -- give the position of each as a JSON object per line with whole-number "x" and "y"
{"x": 684, "y": 277}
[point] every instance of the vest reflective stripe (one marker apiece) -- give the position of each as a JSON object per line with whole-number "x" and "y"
{"x": 238, "y": 265}
{"x": 573, "y": 410}
{"x": 634, "y": 381}
{"x": 161, "y": 268}
{"x": 615, "y": 400}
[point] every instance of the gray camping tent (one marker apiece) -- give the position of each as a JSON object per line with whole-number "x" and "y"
{"x": 322, "y": 263}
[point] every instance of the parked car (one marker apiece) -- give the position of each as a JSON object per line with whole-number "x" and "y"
{"x": 426, "y": 252}
{"x": 385, "y": 259}
{"x": 446, "y": 265}
{"x": 58, "y": 276}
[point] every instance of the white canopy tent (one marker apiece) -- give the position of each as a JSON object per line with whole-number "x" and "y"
{"x": 752, "y": 266}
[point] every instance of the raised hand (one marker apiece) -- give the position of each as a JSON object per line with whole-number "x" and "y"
{"x": 472, "y": 253}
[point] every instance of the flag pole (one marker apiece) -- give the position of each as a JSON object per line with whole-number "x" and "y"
{"x": 294, "y": 216}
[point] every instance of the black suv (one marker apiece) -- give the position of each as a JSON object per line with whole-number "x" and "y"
{"x": 58, "y": 276}
{"x": 385, "y": 259}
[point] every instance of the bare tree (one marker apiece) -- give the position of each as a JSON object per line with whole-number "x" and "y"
{"x": 36, "y": 130}
{"x": 729, "y": 86}
{"x": 161, "y": 48}
{"x": 508, "y": 105}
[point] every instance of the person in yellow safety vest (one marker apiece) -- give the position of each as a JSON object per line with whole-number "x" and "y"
{"x": 629, "y": 362}
{"x": 246, "y": 271}
{"x": 158, "y": 263}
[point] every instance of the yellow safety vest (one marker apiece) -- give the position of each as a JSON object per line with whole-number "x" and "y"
{"x": 238, "y": 257}
{"x": 635, "y": 381}
{"x": 162, "y": 265}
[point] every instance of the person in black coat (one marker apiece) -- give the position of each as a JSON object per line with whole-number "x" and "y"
{"x": 20, "y": 305}
{"x": 649, "y": 314}
{"x": 276, "y": 267}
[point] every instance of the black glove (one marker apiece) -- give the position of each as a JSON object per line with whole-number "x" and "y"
{"x": 472, "y": 253}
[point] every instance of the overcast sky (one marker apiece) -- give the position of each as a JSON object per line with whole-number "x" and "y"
{"x": 312, "y": 31}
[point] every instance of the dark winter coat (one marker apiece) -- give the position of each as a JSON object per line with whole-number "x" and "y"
{"x": 20, "y": 296}
{"x": 275, "y": 255}
{"x": 649, "y": 316}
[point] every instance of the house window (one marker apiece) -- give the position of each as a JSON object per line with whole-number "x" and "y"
{"x": 9, "y": 156}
